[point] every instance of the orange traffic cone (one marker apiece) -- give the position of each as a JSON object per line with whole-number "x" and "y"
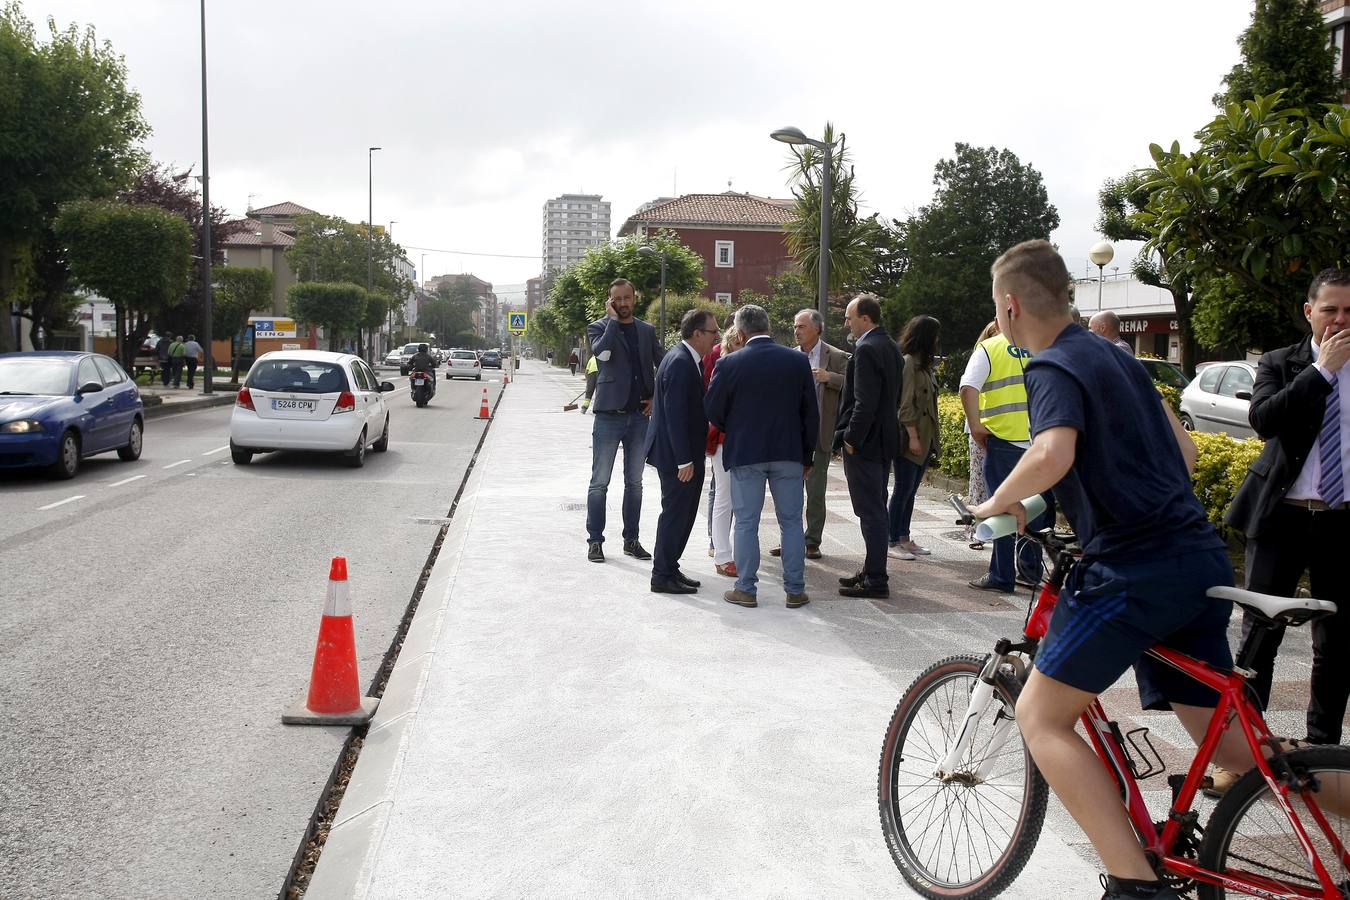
{"x": 483, "y": 409}
{"x": 334, "y": 696}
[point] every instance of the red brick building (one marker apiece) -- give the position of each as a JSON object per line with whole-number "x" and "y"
{"x": 742, "y": 238}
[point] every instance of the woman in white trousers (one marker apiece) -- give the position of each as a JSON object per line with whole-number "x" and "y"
{"x": 721, "y": 510}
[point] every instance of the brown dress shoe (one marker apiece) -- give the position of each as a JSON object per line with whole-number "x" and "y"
{"x": 796, "y": 600}
{"x": 740, "y": 598}
{"x": 812, "y": 552}
{"x": 776, "y": 551}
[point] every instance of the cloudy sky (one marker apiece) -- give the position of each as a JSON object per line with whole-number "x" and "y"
{"x": 484, "y": 110}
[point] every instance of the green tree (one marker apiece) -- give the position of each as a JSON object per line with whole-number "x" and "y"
{"x": 71, "y": 129}
{"x": 987, "y": 200}
{"x": 332, "y": 250}
{"x": 679, "y": 304}
{"x": 337, "y": 306}
{"x": 853, "y": 240}
{"x": 788, "y": 295}
{"x": 1285, "y": 48}
{"x": 238, "y": 291}
{"x": 138, "y": 257}
{"x": 1228, "y": 319}
{"x": 1265, "y": 200}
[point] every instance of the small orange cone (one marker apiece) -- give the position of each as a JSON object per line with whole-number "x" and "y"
{"x": 334, "y": 696}
{"x": 483, "y": 409}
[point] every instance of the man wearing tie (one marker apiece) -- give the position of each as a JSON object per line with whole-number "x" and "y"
{"x": 1292, "y": 503}
{"x": 674, "y": 446}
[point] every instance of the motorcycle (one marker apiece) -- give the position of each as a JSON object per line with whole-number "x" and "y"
{"x": 423, "y": 387}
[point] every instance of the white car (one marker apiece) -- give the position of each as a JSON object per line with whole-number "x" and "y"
{"x": 310, "y": 400}
{"x": 1220, "y": 399}
{"x": 464, "y": 364}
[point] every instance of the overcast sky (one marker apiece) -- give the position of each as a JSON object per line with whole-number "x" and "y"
{"x": 487, "y": 109}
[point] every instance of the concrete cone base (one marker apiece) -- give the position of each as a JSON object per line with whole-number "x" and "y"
{"x": 300, "y": 714}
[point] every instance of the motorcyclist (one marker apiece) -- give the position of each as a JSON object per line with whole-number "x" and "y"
{"x": 423, "y": 361}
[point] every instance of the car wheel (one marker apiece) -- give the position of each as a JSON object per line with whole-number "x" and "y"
{"x": 1187, "y": 422}
{"x": 240, "y": 455}
{"x": 383, "y": 443}
{"x": 132, "y": 451}
{"x": 478, "y": 377}
{"x": 356, "y": 457}
{"x": 67, "y": 457}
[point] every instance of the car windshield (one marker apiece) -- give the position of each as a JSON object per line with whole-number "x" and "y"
{"x": 35, "y": 375}
{"x": 410, "y": 349}
{"x": 1167, "y": 374}
{"x": 297, "y": 376}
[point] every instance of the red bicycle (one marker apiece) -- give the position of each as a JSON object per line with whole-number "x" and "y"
{"x": 962, "y": 803}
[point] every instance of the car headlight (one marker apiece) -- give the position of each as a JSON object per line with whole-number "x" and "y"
{"x": 22, "y": 426}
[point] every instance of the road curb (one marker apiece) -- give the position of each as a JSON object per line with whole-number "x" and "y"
{"x": 184, "y": 406}
{"x": 346, "y": 866}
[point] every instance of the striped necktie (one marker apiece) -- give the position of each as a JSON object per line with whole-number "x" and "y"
{"x": 1332, "y": 484}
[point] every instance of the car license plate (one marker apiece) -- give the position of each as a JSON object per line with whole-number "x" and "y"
{"x": 306, "y": 405}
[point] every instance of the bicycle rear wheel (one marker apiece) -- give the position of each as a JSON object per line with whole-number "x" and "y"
{"x": 1249, "y": 836}
{"x": 970, "y": 835}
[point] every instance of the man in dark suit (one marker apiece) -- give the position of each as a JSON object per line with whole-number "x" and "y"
{"x": 675, "y": 445}
{"x": 869, "y": 434}
{"x": 1292, "y": 503}
{"x": 764, "y": 397}
{"x": 628, "y": 352}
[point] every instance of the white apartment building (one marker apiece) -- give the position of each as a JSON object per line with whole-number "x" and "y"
{"x": 573, "y": 224}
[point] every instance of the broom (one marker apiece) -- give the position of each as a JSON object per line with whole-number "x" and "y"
{"x": 573, "y": 405}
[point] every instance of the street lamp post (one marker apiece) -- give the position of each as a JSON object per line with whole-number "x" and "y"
{"x": 370, "y": 219}
{"x": 652, "y": 251}
{"x": 1101, "y": 254}
{"x": 209, "y": 367}
{"x": 795, "y": 137}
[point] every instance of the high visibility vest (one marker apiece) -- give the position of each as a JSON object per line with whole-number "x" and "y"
{"x": 1003, "y": 399}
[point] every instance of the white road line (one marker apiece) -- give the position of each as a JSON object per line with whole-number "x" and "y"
{"x": 179, "y": 463}
{"x": 126, "y": 481}
{"x": 62, "y": 502}
{"x": 215, "y": 451}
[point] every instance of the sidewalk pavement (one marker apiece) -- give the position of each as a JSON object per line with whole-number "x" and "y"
{"x": 552, "y": 727}
{"x": 166, "y": 401}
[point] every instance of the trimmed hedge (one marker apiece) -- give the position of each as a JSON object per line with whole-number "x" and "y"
{"x": 1220, "y": 465}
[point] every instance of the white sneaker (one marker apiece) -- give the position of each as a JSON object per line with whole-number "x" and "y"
{"x": 916, "y": 549}
{"x": 895, "y": 551}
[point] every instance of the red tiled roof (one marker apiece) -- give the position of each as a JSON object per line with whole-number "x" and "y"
{"x": 282, "y": 209}
{"x": 728, "y": 208}
{"x": 248, "y": 233}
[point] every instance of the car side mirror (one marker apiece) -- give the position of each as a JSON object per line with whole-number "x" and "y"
{"x": 90, "y": 387}
{"x": 1243, "y": 395}
{"x": 386, "y": 386}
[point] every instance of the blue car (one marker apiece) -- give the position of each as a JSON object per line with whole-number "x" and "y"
{"x": 57, "y": 407}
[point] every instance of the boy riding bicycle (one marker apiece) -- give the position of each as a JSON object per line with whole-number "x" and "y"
{"x": 1119, "y": 463}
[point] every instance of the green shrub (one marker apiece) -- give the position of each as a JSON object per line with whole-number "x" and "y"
{"x": 1171, "y": 395}
{"x": 955, "y": 458}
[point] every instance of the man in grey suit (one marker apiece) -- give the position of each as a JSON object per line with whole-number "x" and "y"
{"x": 628, "y": 353}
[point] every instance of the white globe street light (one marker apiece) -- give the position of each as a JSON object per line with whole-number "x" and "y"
{"x": 1101, "y": 253}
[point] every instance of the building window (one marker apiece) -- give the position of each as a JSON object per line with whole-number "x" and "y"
{"x": 723, "y": 298}
{"x": 724, "y": 255}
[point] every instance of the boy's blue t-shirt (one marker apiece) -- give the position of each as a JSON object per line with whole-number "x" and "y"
{"x": 1128, "y": 495}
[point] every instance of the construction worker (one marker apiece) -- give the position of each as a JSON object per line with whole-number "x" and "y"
{"x": 592, "y": 374}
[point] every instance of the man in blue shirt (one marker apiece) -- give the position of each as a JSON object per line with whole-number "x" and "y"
{"x": 1119, "y": 463}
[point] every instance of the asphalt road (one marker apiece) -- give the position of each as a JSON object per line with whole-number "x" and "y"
{"x": 155, "y": 619}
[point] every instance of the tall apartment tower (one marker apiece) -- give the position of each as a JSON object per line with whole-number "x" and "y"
{"x": 573, "y": 224}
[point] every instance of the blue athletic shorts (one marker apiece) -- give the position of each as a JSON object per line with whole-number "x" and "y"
{"x": 1110, "y": 614}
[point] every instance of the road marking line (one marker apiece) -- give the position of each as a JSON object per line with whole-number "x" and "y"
{"x": 215, "y": 451}
{"x": 126, "y": 481}
{"x": 61, "y": 502}
{"x": 179, "y": 463}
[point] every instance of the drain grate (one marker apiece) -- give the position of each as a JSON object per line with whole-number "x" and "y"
{"x": 430, "y": 520}
{"x": 571, "y": 507}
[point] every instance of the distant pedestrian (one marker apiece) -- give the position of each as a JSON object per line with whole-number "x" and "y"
{"x": 193, "y": 353}
{"x": 976, "y": 491}
{"x": 764, "y": 398}
{"x": 628, "y": 352}
{"x": 162, "y": 353}
{"x": 869, "y": 435}
{"x": 674, "y": 445}
{"x": 592, "y": 375}
{"x": 1106, "y": 324}
{"x": 919, "y": 437}
{"x": 720, "y": 511}
{"x": 573, "y": 361}
{"x": 177, "y": 355}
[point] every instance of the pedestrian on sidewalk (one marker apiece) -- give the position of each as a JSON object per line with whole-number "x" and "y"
{"x": 573, "y": 361}
{"x": 720, "y": 512}
{"x": 592, "y": 373}
{"x": 162, "y": 353}
{"x": 764, "y": 398}
{"x": 628, "y": 354}
{"x": 177, "y": 355}
{"x": 976, "y": 492}
{"x": 1106, "y": 324}
{"x": 674, "y": 446}
{"x": 191, "y": 356}
{"x": 919, "y": 438}
{"x": 869, "y": 435}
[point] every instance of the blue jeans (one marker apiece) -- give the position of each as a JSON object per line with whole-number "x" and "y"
{"x": 999, "y": 459}
{"x": 908, "y": 477}
{"x": 747, "y": 502}
{"x": 610, "y": 430}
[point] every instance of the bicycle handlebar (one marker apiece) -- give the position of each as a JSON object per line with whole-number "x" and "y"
{"x": 996, "y": 527}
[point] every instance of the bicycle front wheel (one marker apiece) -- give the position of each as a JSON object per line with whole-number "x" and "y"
{"x": 967, "y": 835}
{"x": 1251, "y": 838}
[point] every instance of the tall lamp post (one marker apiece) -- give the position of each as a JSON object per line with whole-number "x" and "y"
{"x": 370, "y": 219}
{"x": 1101, "y": 254}
{"x": 795, "y": 137}
{"x": 209, "y": 368}
{"x": 652, "y": 251}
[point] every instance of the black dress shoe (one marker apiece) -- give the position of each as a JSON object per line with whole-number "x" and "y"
{"x": 865, "y": 590}
{"x": 686, "y": 580}
{"x": 671, "y": 586}
{"x": 595, "y": 551}
{"x": 985, "y": 583}
{"x": 776, "y": 551}
{"x": 1024, "y": 581}
{"x": 851, "y": 580}
{"x": 634, "y": 549}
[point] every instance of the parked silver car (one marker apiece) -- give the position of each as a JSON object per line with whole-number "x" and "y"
{"x": 1219, "y": 399}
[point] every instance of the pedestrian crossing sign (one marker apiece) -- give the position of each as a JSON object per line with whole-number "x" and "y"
{"x": 517, "y": 323}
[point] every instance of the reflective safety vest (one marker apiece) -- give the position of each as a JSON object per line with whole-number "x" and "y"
{"x": 1003, "y": 399}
